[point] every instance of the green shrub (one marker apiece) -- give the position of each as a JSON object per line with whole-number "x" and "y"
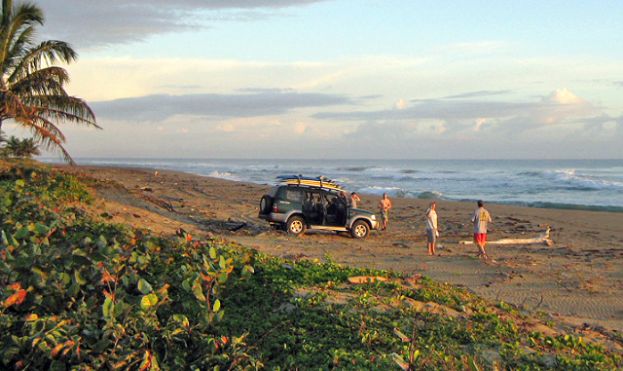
{"x": 77, "y": 293}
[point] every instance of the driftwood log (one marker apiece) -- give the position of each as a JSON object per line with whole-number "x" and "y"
{"x": 543, "y": 239}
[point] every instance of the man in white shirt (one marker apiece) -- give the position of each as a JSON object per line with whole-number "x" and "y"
{"x": 431, "y": 228}
{"x": 481, "y": 218}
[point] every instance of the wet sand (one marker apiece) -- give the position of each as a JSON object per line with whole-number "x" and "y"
{"x": 578, "y": 280}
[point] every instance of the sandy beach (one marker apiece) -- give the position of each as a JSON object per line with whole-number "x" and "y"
{"x": 578, "y": 280}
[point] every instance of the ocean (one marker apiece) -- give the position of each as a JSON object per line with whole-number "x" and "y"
{"x": 571, "y": 184}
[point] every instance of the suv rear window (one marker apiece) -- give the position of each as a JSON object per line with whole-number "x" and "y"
{"x": 290, "y": 194}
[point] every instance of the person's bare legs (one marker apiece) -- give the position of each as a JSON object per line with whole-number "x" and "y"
{"x": 483, "y": 252}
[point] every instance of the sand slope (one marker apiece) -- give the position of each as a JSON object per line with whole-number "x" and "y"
{"x": 579, "y": 279}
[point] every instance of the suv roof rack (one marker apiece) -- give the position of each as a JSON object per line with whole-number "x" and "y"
{"x": 318, "y": 182}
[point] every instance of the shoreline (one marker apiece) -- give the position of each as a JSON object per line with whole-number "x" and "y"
{"x": 578, "y": 280}
{"x": 531, "y": 205}
{"x": 538, "y": 184}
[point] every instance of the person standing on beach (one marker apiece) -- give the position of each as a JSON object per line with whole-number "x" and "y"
{"x": 384, "y": 206}
{"x": 354, "y": 198}
{"x": 432, "y": 233}
{"x": 481, "y": 219}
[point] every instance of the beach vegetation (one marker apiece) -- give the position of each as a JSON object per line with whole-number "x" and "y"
{"x": 78, "y": 292}
{"x": 32, "y": 84}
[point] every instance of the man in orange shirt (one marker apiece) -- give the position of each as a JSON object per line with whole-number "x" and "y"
{"x": 481, "y": 218}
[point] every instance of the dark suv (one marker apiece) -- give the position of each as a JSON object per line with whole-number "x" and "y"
{"x": 311, "y": 203}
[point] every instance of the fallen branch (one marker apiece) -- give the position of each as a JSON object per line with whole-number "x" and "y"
{"x": 543, "y": 238}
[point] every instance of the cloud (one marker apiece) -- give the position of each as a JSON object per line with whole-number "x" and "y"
{"x": 478, "y": 94}
{"x": 467, "y": 95}
{"x": 226, "y": 128}
{"x": 300, "y": 128}
{"x": 480, "y": 122}
{"x": 261, "y": 103}
{"x": 564, "y": 96}
{"x": 557, "y": 107}
{"x": 180, "y": 86}
{"x": 96, "y": 23}
{"x": 401, "y": 104}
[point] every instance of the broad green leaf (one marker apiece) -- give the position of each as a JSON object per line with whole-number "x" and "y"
{"x": 41, "y": 275}
{"x": 9, "y": 353}
{"x": 101, "y": 242}
{"x": 212, "y": 252}
{"x": 108, "y": 308}
{"x": 79, "y": 252}
{"x": 217, "y": 306}
{"x": 222, "y": 263}
{"x": 22, "y": 233}
{"x": 36, "y": 250}
{"x": 247, "y": 270}
{"x": 186, "y": 285}
{"x": 198, "y": 291}
{"x": 151, "y": 245}
{"x": 148, "y": 301}
{"x": 41, "y": 229}
{"x": 144, "y": 287}
{"x": 3, "y": 238}
{"x": 79, "y": 279}
{"x": 13, "y": 241}
{"x": 182, "y": 319}
{"x": 222, "y": 278}
{"x": 65, "y": 278}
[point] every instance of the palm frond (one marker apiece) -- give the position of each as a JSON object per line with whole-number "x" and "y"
{"x": 46, "y": 136}
{"x": 46, "y": 81}
{"x": 22, "y": 16}
{"x": 46, "y": 53}
{"x": 12, "y": 106}
{"x": 7, "y": 11}
{"x": 18, "y": 46}
{"x": 66, "y": 108}
{"x": 42, "y": 122}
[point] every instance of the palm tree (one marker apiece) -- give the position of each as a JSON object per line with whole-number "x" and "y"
{"x": 32, "y": 92}
{"x": 21, "y": 148}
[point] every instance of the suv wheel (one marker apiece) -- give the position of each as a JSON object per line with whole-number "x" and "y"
{"x": 265, "y": 204}
{"x": 360, "y": 229}
{"x": 295, "y": 225}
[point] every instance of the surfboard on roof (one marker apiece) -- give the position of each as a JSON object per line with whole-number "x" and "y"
{"x": 320, "y": 181}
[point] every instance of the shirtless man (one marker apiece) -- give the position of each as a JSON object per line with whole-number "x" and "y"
{"x": 384, "y": 206}
{"x": 481, "y": 218}
{"x": 354, "y": 199}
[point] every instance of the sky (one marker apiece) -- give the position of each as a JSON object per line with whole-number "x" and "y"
{"x": 369, "y": 79}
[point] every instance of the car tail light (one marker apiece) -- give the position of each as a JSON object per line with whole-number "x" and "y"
{"x": 275, "y": 209}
